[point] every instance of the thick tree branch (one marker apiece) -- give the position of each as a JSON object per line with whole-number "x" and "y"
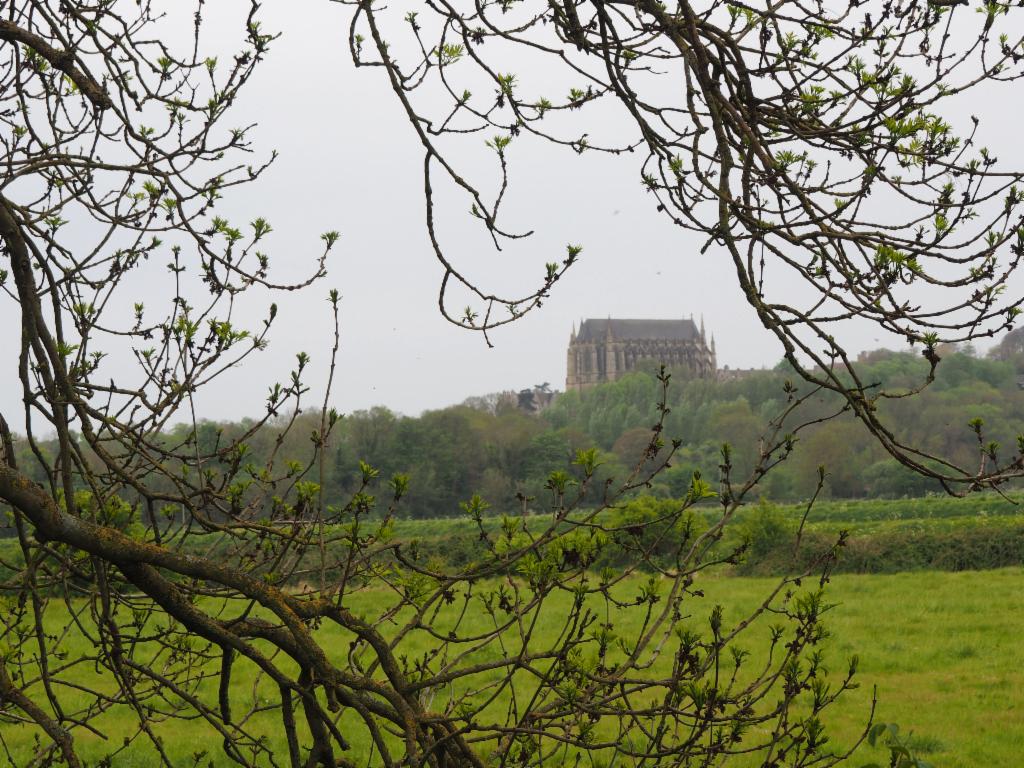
{"x": 9, "y": 692}
{"x": 62, "y": 60}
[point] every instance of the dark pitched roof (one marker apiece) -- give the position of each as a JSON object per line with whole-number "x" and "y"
{"x": 623, "y": 330}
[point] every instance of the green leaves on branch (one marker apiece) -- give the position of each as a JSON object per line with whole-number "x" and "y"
{"x": 475, "y": 507}
{"x": 449, "y": 54}
{"x": 586, "y": 459}
{"x": 369, "y": 474}
{"x": 261, "y": 227}
{"x": 499, "y": 143}
{"x": 699, "y": 489}
{"x": 506, "y": 82}
{"x": 900, "y": 754}
{"x": 399, "y": 484}
{"x": 559, "y": 481}
{"x": 306, "y": 492}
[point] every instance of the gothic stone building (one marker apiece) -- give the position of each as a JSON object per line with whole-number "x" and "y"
{"x": 605, "y": 350}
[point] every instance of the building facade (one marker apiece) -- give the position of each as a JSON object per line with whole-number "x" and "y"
{"x": 606, "y": 350}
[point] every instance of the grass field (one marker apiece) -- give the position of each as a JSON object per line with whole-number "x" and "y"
{"x": 943, "y": 649}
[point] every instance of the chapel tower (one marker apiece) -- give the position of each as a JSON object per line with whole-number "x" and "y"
{"x": 606, "y": 350}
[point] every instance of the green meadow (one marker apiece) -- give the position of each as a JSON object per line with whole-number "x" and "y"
{"x": 943, "y": 651}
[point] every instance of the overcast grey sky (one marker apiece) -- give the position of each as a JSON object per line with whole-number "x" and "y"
{"x": 349, "y": 161}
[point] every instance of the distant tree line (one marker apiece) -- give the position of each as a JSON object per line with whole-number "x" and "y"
{"x": 499, "y": 451}
{"x": 488, "y": 446}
